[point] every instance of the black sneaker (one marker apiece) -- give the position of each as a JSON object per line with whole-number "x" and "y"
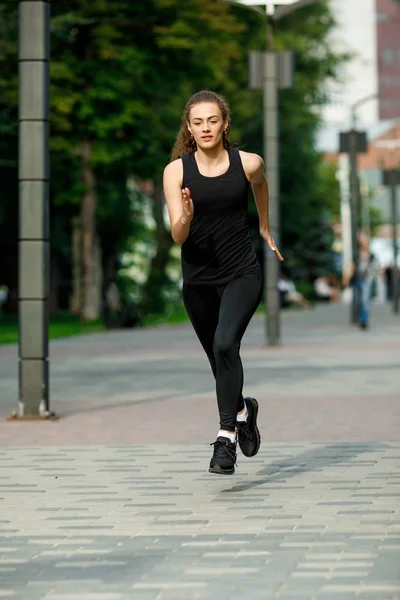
{"x": 248, "y": 435}
{"x": 224, "y": 457}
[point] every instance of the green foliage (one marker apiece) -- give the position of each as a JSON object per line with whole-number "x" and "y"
{"x": 121, "y": 72}
{"x": 309, "y": 190}
{"x": 376, "y": 219}
{"x": 8, "y": 145}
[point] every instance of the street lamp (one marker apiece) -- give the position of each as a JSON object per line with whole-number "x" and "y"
{"x": 356, "y": 105}
{"x": 33, "y": 238}
{"x": 270, "y": 5}
{"x": 271, "y": 71}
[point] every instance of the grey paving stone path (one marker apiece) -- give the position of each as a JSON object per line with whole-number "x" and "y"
{"x": 114, "y": 501}
{"x": 298, "y": 521}
{"x": 334, "y": 381}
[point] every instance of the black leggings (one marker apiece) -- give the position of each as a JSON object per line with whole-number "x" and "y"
{"x": 220, "y": 315}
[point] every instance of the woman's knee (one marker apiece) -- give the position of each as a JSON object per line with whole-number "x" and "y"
{"x": 225, "y": 346}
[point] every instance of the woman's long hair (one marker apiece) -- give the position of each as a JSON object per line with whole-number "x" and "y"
{"x": 184, "y": 141}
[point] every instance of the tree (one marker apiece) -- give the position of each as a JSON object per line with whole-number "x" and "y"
{"x": 309, "y": 192}
{"x": 192, "y": 47}
{"x": 9, "y": 153}
{"x": 93, "y": 106}
{"x": 120, "y": 74}
{"x": 126, "y": 68}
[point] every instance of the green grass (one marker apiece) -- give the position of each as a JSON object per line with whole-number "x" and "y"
{"x": 175, "y": 315}
{"x": 60, "y": 327}
{"x": 68, "y": 326}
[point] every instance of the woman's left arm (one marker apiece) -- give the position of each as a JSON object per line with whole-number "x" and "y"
{"x": 254, "y": 169}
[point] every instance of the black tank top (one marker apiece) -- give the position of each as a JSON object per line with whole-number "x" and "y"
{"x": 219, "y": 246}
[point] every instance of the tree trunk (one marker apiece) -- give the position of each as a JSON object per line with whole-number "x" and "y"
{"x": 10, "y": 275}
{"x": 91, "y": 264}
{"x": 109, "y": 270}
{"x": 75, "y": 301}
{"x": 54, "y": 308}
{"x": 157, "y": 274}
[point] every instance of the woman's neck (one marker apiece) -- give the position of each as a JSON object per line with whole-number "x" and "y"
{"x": 214, "y": 156}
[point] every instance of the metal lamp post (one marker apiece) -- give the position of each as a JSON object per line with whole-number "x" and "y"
{"x": 271, "y": 71}
{"x": 33, "y": 241}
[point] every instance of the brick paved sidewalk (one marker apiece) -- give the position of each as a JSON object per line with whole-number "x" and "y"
{"x": 114, "y": 501}
{"x": 304, "y": 521}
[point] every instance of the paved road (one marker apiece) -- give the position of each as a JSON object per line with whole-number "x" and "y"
{"x": 114, "y": 500}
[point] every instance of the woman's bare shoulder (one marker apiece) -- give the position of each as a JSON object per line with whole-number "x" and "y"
{"x": 174, "y": 167}
{"x": 173, "y": 172}
{"x": 251, "y": 162}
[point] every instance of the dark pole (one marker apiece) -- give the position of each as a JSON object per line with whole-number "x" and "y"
{"x": 354, "y": 195}
{"x": 271, "y": 155}
{"x": 394, "y": 179}
{"x": 33, "y": 242}
{"x": 277, "y": 73}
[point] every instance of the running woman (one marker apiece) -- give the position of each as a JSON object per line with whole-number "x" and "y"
{"x": 206, "y": 190}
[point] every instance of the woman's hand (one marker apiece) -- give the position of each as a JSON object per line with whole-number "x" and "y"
{"x": 187, "y": 205}
{"x": 268, "y": 238}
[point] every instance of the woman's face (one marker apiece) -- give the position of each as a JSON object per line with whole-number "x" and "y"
{"x": 207, "y": 125}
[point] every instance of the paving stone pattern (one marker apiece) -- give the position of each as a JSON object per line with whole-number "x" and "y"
{"x": 114, "y": 500}
{"x": 327, "y": 382}
{"x": 297, "y": 521}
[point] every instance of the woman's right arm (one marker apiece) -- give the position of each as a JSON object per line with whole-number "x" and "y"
{"x": 172, "y": 183}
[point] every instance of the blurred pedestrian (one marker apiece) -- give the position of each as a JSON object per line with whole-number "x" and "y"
{"x": 362, "y": 278}
{"x": 206, "y": 190}
{"x": 289, "y": 293}
{"x": 326, "y": 289}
